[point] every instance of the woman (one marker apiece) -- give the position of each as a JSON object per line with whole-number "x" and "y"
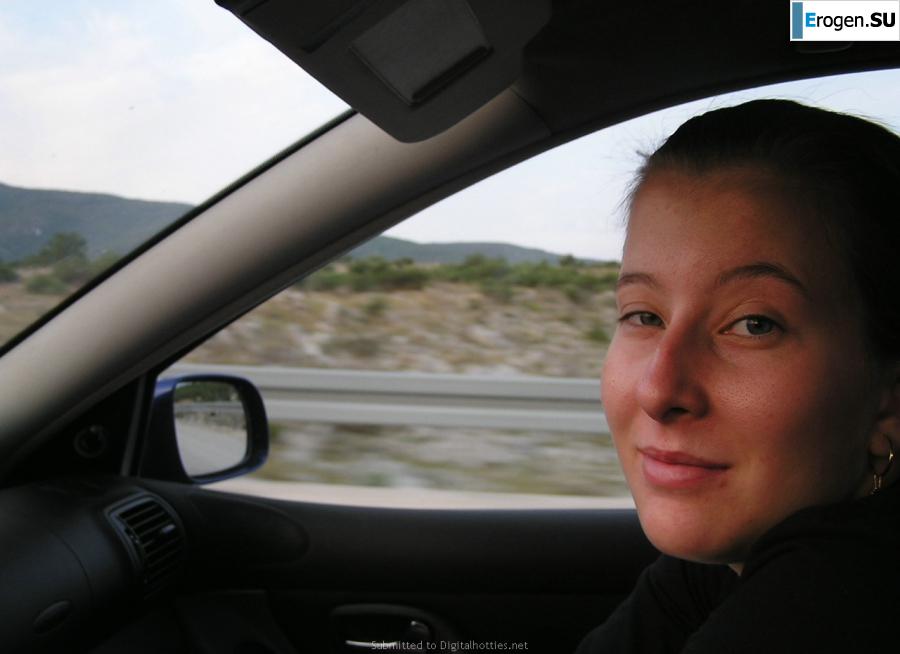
{"x": 753, "y": 386}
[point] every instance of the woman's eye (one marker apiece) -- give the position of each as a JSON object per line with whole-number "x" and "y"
{"x": 643, "y": 318}
{"x": 753, "y": 326}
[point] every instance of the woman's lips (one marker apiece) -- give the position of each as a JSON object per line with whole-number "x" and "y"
{"x": 678, "y": 470}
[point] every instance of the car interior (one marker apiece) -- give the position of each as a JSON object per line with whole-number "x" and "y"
{"x": 110, "y": 543}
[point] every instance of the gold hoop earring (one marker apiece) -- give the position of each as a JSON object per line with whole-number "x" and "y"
{"x": 878, "y": 480}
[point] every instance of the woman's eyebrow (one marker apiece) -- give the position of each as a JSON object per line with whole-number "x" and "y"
{"x": 749, "y": 271}
{"x": 761, "y": 269}
{"x": 626, "y": 279}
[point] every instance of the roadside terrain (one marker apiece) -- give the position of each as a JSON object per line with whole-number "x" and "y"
{"x": 479, "y": 327}
{"x": 443, "y": 328}
{"x": 477, "y": 315}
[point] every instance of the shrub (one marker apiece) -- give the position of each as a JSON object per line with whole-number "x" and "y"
{"x": 72, "y": 270}
{"x": 377, "y": 274}
{"x": 405, "y": 278}
{"x": 361, "y": 283}
{"x": 104, "y": 261}
{"x": 326, "y": 279}
{"x": 376, "y": 307}
{"x": 576, "y": 294}
{"x": 64, "y": 245}
{"x": 276, "y": 432}
{"x": 498, "y": 290}
{"x": 8, "y": 273}
{"x": 606, "y": 279}
{"x": 475, "y": 269}
{"x": 357, "y": 346}
{"x": 368, "y": 266}
{"x": 46, "y": 285}
{"x": 496, "y": 277}
{"x": 544, "y": 274}
{"x": 597, "y": 334}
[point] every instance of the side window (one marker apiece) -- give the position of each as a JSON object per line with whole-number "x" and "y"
{"x": 451, "y": 361}
{"x": 456, "y": 359}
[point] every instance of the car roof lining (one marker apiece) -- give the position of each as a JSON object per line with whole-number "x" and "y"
{"x": 613, "y": 59}
{"x": 590, "y": 59}
{"x": 292, "y": 217}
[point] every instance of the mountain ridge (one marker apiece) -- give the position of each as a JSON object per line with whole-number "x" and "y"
{"x": 29, "y": 218}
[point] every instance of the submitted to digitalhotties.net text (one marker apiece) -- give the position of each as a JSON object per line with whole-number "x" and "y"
{"x": 452, "y": 646}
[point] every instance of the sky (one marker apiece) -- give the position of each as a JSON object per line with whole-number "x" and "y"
{"x": 174, "y": 99}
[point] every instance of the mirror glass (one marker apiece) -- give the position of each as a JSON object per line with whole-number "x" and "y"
{"x": 210, "y": 426}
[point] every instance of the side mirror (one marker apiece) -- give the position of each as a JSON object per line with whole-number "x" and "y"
{"x": 205, "y": 428}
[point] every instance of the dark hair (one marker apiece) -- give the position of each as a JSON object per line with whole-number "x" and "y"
{"x": 845, "y": 168}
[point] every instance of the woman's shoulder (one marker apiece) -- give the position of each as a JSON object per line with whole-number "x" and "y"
{"x": 670, "y": 601}
{"x": 825, "y": 579}
{"x": 852, "y": 532}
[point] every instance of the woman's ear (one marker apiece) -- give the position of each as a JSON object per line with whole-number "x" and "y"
{"x": 884, "y": 443}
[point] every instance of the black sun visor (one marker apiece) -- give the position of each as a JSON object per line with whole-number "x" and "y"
{"x": 413, "y": 67}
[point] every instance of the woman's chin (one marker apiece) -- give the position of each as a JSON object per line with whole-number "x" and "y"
{"x": 691, "y": 533}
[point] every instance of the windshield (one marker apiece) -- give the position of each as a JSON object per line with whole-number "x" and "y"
{"x": 119, "y": 116}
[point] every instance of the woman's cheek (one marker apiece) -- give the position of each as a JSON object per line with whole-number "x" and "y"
{"x": 618, "y": 382}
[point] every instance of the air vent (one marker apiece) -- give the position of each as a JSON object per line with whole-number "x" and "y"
{"x": 155, "y": 537}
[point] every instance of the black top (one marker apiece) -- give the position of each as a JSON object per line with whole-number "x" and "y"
{"x": 827, "y": 579}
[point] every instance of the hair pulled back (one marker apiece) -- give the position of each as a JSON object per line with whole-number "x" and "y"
{"x": 846, "y": 169}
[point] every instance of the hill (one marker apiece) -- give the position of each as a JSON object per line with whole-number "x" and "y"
{"x": 391, "y": 248}
{"x": 29, "y": 218}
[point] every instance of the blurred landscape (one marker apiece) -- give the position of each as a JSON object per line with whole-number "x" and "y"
{"x": 480, "y": 317}
{"x": 391, "y": 305}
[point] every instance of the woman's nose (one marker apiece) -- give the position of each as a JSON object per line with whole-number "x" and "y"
{"x": 672, "y": 384}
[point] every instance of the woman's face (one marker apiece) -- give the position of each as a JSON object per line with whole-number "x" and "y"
{"x": 736, "y": 386}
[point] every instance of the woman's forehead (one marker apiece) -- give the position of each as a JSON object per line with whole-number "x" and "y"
{"x": 703, "y": 225}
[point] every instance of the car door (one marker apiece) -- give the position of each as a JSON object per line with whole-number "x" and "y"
{"x": 348, "y": 578}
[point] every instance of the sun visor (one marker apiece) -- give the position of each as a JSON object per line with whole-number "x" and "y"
{"x": 414, "y": 68}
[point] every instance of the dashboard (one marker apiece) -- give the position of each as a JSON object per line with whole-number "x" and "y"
{"x": 81, "y": 556}
{"x": 107, "y": 564}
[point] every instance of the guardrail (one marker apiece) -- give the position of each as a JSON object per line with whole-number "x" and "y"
{"x": 412, "y": 398}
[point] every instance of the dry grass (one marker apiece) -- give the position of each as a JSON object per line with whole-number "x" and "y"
{"x": 445, "y": 327}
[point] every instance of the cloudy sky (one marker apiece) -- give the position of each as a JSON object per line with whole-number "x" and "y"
{"x": 173, "y": 99}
